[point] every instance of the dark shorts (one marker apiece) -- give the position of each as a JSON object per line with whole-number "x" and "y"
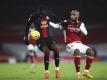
{"x": 46, "y": 44}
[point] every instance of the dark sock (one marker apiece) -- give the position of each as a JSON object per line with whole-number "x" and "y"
{"x": 46, "y": 60}
{"x": 56, "y": 57}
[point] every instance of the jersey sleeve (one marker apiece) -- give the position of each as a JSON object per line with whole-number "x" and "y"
{"x": 30, "y": 20}
{"x": 55, "y": 25}
{"x": 60, "y": 25}
{"x": 83, "y": 29}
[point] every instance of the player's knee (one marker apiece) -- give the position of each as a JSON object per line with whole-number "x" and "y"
{"x": 31, "y": 52}
{"x": 47, "y": 52}
{"x": 56, "y": 51}
{"x": 90, "y": 52}
{"x": 77, "y": 52}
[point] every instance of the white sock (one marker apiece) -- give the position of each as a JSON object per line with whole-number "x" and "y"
{"x": 78, "y": 73}
{"x": 46, "y": 71}
{"x": 32, "y": 65}
{"x": 57, "y": 68}
{"x": 86, "y": 70}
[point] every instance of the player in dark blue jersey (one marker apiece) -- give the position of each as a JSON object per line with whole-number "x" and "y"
{"x": 45, "y": 42}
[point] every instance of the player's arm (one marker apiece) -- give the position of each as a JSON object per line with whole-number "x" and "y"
{"x": 80, "y": 29}
{"x": 30, "y": 20}
{"x": 60, "y": 25}
{"x": 55, "y": 25}
{"x": 83, "y": 29}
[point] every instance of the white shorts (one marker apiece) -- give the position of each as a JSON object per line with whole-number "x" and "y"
{"x": 72, "y": 46}
{"x": 32, "y": 47}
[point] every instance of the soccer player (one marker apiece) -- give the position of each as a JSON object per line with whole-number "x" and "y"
{"x": 45, "y": 42}
{"x": 31, "y": 49}
{"x": 73, "y": 32}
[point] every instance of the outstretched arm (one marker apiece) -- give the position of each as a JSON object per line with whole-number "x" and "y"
{"x": 55, "y": 25}
{"x": 60, "y": 25}
{"x": 30, "y": 20}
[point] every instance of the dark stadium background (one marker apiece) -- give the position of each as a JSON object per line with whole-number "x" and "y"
{"x": 14, "y": 15}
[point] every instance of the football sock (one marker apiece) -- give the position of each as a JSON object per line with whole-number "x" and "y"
{"x": 56, "y": 61}
{"x": 77, "y": 63}
{"x": 32, "y": 62}
{"x": 56, "y": 68}
{"x": 88, "y": 62}
{"x": 31, "y": 59}
{"x": 46, "y": 71}
{"x": 46, "y": 59}
{"x": 56, "y": 57}
{"x": 32, "y": 65}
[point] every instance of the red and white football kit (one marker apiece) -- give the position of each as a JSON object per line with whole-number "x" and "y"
{"x": 72, "y": 36}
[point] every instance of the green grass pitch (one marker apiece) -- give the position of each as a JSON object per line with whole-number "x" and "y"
{"x": 22, "y": 71}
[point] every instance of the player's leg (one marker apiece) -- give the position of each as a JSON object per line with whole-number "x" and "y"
{"x": 56, "y": 57}
{"x": 74, "y": 48}
{"x": 31, "y": 56}
{"x": 46, "y": 62}
{"x": 89, "y": 60}
{"x": 46, "y": 51}
{"x": 42, "y": 45}
{"x": 90, "y": 55}
{"x": 77, "y": 61}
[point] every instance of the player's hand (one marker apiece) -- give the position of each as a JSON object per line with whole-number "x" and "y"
{"x": 64, "y": 23}
{"x": 26, "y": 40}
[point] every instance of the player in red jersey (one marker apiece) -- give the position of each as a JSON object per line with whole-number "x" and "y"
{"x": 73, "y": 32}
{"x": 31, "y": 49}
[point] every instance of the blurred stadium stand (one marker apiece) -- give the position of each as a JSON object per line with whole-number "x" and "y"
{"x": 14, "y": 14}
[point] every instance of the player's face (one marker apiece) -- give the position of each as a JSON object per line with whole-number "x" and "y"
{"x": 73, "y": 16}
{"x": 44, "y": 23}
